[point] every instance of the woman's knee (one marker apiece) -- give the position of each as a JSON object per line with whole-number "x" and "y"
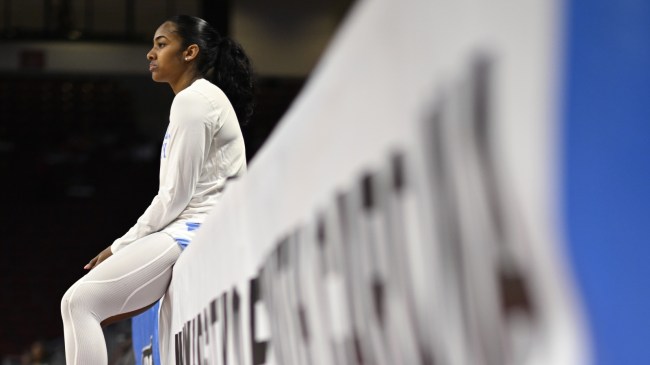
{"x": 75, "y": 300}
{"x": 65, "y": 304}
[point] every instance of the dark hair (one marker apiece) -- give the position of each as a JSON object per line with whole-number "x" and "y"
{"x": 221, "y": 60}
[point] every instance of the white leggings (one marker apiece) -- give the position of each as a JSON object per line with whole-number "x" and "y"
{"x": 131, "y": 279}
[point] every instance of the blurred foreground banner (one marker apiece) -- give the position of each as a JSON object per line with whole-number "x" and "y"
{"x": 405, "y": 211}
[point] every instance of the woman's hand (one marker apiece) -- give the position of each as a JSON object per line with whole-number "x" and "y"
{"x": 99, "y": 258}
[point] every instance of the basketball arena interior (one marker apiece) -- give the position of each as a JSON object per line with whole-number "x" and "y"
{"x": 429, "y": 182}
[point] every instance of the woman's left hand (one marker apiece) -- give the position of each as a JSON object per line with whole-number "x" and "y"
{"x": 99, "y": 258}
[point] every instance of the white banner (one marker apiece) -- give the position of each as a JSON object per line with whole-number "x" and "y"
{"x": 403, "y": 212}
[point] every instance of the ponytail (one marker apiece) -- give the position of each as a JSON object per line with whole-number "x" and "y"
{"x": 232, "y": 72}
{"x": 221, "y": 60}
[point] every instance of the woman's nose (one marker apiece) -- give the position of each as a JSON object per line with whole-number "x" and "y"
{"x": 150, "y": 56}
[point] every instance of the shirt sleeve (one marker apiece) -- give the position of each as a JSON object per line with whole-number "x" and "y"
{"x": 181, "y": 158}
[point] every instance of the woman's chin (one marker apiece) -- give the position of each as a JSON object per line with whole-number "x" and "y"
{"x": 155, "y": 77}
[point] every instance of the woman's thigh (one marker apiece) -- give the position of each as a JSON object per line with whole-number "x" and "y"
{"x": 133, "y": 278}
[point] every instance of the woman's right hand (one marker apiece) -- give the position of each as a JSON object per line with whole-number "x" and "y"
{"x": 99, "y": 258}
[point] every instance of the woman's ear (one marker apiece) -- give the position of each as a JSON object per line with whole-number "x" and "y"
{"x": 191, "y": 52}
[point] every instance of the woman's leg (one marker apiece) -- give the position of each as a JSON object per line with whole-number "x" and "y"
{"x": 133, "y": 278}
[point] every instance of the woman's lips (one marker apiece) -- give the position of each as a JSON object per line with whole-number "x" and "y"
{"x": 152, "y": 67}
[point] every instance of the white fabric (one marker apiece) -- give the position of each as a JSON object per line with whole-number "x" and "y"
{"x": 132, "y": 278}
{"x": 203, "y": 147}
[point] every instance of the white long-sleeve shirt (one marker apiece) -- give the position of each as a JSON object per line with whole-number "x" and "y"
{"x": 203, "y": 147}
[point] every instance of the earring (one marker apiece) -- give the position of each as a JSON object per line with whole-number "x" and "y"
{"x": 186, "y": 58}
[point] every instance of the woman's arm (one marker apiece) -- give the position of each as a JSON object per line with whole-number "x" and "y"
{"x": 187, "y": 139}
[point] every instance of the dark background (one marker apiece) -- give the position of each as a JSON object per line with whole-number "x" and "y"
{"x": 78, "y": 165}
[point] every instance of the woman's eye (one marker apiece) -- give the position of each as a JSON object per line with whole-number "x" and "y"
{"x": 161, "y": 45}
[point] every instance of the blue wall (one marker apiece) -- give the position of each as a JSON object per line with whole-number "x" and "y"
{"x": 145, "y": 330}
{"x": 607, "y": 171}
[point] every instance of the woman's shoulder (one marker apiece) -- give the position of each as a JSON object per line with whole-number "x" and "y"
{"x": 200, "y": 99}
{"x": 193, "y": 96}
{"x": 203, "y": 89}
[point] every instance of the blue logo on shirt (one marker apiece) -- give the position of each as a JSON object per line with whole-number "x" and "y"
{"x": 192, "y": 226}
{"x": 183, "y": 242}
{"x": 163, "y": 152}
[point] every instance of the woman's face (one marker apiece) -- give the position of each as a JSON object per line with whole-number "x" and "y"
{"x": 166, "y": 57}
